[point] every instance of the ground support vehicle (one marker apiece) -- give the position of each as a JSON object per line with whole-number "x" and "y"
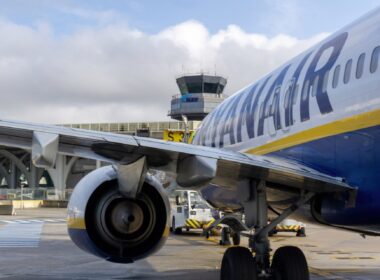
{"x": 189, "y": 211}
{"x": 290, "y": 225}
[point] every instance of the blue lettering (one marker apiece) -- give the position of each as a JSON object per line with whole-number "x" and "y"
{"x": 265, "y": 110}
{"x": 248, "y": 110}
{"x": 228, "y": 121}
{"x": 292, "y": 91}
{"x": 323, "y": 101}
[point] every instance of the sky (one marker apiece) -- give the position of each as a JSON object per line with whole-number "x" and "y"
{"x": 68, "y": 61}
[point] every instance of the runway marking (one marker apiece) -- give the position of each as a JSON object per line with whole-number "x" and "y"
{"x": 30, "y": 221}
{"x": 20, "y": 235}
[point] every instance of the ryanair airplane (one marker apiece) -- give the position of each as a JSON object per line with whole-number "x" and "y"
{"x": 304, "y": 137}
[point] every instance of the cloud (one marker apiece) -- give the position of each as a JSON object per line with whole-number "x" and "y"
{"x": 282, "y": 15}
{"x": 115, "y": 73}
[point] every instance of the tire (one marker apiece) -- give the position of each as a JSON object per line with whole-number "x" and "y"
{"x": 225, "y": 237}
{"x": 238, "y": 264}
{"x": 301, "y": 232}
{"x": 236, "y": 238}
{"x": 289, "y": 263}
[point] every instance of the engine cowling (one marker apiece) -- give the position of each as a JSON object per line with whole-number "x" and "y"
{"x": 104, "y": 223}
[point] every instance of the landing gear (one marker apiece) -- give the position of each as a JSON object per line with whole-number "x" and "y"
{"x": 236, "y": 238}
{"x": 289, "y": 263}
{"x": 238, "y": 264}
{"x": 225, "y": 236}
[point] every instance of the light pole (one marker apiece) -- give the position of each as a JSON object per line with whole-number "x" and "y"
{"x": 185, "y": 137}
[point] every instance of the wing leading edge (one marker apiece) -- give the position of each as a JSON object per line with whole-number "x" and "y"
{"x": 193, "y": 165}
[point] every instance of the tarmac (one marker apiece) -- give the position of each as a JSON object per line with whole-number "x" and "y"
{"x": 34, "y": 245}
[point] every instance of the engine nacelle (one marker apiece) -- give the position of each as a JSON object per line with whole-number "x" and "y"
{"x": 104, "y": 223}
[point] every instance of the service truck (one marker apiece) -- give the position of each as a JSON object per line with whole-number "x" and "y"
{"x": 189, "y": 211}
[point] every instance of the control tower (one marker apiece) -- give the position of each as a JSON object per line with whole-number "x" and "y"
{"x": 199, "y": 95}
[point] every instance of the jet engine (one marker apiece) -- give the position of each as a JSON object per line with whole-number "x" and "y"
{"x": 102, "y": 222}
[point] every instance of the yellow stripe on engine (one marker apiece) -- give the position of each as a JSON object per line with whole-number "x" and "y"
{"x": 166, "y": 231}
{"x": 76, "y": 223}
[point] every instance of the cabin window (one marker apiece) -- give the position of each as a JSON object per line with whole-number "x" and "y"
{"x": 347, "y": 71}
{"x": 375, "y": 59}
{"x": 336, "y": 76}
{"x": 360, "y": 66}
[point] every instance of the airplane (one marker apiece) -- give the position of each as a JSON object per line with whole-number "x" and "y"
{"x": 304, "y": 137}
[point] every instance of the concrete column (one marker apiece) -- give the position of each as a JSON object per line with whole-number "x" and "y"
{"x": 34, "y": 178}
{"x": 57, "y": 174}
{"x": 13, "y": 176}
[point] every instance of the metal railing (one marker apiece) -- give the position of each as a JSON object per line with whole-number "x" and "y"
{"x": 34, "y": 194}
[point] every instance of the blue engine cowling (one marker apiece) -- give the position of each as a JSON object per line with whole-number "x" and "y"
{"x": 104, "y": 223}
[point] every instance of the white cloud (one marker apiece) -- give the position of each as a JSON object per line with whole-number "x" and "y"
{"x": 115, "y": 73}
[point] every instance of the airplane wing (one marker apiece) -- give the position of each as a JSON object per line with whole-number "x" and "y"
{"x": 193, "y": 165}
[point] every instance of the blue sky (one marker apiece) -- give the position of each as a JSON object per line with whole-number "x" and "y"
{"x": 113, "y": 61}
{"x": 300, "y": 18}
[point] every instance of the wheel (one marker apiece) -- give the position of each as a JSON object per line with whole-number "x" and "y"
{"x": 301, "y": 232}
{"x": 289, "y": 263}
{"x": 225, "y": 236}
{"x": 236, "y": 238}
{"x": 238, "y": 264}
{"x": 187, "y": 229}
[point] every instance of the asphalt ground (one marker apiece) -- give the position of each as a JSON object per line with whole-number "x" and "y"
{"x": 49, "y": 254}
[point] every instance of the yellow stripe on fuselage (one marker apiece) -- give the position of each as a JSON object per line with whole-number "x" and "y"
{"x": 349, "y": 124}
